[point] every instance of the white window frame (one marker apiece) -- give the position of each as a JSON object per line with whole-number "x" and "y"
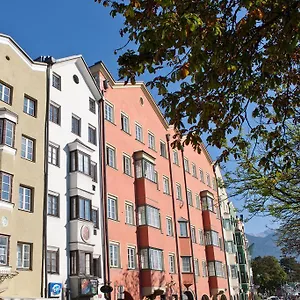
{"x": 198, "y": 201}
{"x": 194, "y": 170}
{"x": 56, "y": 81}
{"x": 169, "y": 226}
{"x": 127, "y": 164}
{"x": 138, "y": 132}
{"x": 22, "y": 249}
{"x": 166, "y": 185}
{"x": 189, "y": 197}
{"x": 109, "y": 112}
{"x": 208, "y": 180}
{"x": 111, "y": 156}
{"x": 3, "y": 88}
{"x": 112, "y": 207}
{"x": 186, "y": 165}
{"x": 129, "y": 213}
{"x": 162, "y": 145}
{"x": 201, "y": 175}
{"x": 92, "y": 134}
{"x": 131, "y": 257}
{"x": 78, "y": 123}
{"x": 25, "y": 200}
{"x": 114, "y": 255}
{"x": 27, "y": 143}
{"x": 53, "y": 154}
{"x": 149, "y": 215}
{"x": 201, "y": 237}
{"x": 196, "y": 267}
{"x": 151, "y": 140}
{"x": 178, "y": 191}
{"x": 193, "y": 234}
{"x": 125, "y": 123}
{"x": 186, "y": 264}
{"x": 172, "y": 263}
{"x": 175, "y": 158}
{"x": 28, "y": 109}
{"x": 4, "y": 250}
{"x": 204, "y": 269}
{"x": 152, "y": 259}
{"x": 6, "y": 186}
{"x": 51, "y": 119}
{"x": 7, "y": 130}
{"x": 183, "y": 231}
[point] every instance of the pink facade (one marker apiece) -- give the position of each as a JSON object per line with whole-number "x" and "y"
{"x": 147, "y": 191}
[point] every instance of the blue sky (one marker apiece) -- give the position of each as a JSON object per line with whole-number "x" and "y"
{"x": 66, "y": 27}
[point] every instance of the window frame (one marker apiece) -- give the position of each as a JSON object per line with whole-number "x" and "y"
{"x": 57, "y": 198}
{"x": 178, "y": 191}
{"x": 57, "y": 152}
{"x": 10, "y": 176}
{"x": 92, "y": 134}
{"x": 150, "y": 256}
{"x": 34, "y": 101}
{"x": 194, "y": 170}
{"x": 175, "y": 158}
{"x": 131, "y": 263}
{"x": 186, "y": 165}
{"x": 51, "y": 116}
{"x": 109, "y": 213}
{"x": 75, "y": 208}
{"x": 75, "y": 163}
{"x": 147, "y": 214}
{"x": 166, "y": 185}
{"x": 23, "y": 244}
{"x": 108, "y": 163}
{"x": 57, "y": 82}
{"x": 172, "y": 263}
{"x": 138, "y": 126}
{"x": 196, "y": 267}
{"x": 124, "y": 116}
{"x": 201, "y": 175}
{"x": 54, "y": 253}
{"x": 189, "y": 197}
{"x": 111, "y": 115}
{"x": 4, "y": 131}
{"x": 10, "y": 88}
{"x": 78, "y": 120}
{"x": 95, "y": 212}
{"x": 193, "y": 234}
{"x": 6, "y": 249}
{"x": 117, "y": 245}
{"x": 187, "y": 259}
{"x": 129, "y": 160}
{"x": 31, "y": 201}
{"x": 163, "y": 149}
{"x": 185, "y": 232}
{"x": 169, "y": 226}
{"x": 129, "y": 219}
{"x": 151, "y": 141}
{"x": 92, "y": 108}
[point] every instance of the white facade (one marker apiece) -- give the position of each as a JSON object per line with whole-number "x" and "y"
{"x": 70, "y": 227}
{"x": 228, "y": 219}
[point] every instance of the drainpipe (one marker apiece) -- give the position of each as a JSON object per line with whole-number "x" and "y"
{"x": 189, "y": 221}
{"x": 44, "y": 276}
{"x": 104, "y": 199}
{"x": 221, "y": 221}
{"x": 174, "y": 218}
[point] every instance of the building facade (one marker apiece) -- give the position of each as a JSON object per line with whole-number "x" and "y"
{"x": 228, "y": 214}
{"x": 164, "y": 226}
{"x": 74, "y": 237}
{"x": 22, "y": 135}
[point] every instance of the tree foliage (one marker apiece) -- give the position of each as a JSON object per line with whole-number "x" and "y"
{"x": 267, "y": 274}
{"x": 291, "y": 268}
{"x": 220, "y": 66}
{"x": 274, "y": 191}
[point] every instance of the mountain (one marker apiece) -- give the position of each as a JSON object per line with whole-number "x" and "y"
{"x": 264, "y": 244}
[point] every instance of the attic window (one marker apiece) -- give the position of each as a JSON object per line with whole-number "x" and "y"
{"x": 76, "y": 79}
{"x": 141, "y": 101}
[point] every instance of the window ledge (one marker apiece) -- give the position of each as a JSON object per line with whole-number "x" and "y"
{"x": 140, "y": 141}
{"x": 152, "y": 149}
{"x": 24, "y": 210}
{"x": 111, "y": 122}
{"x": 5, "y": 269}
{"x": 24, "y": 269}
{"x": 113, "y": 220}
{"x": 114, "y": 168}
{"x": 31, "y": 160}
{"x": 184, "y": 237}
{"x": 8, "y": 149}
{"x": 128, "y": 133}
{"x": 6, "y": 205}
{"x": 128, "y": 175}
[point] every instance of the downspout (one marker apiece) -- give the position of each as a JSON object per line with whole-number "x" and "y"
{"x": 189, "y": 221}
{"x": 44, "y": 276}
{"x": 175, "y": 218}
{"x": 105, "y": 220}
{"x": 221, "y": 220}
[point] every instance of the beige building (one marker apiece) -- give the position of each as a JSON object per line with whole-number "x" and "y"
{"x": 22, "y": 120}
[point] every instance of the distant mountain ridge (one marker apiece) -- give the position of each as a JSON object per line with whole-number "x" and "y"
{"x": 264, "y": 244}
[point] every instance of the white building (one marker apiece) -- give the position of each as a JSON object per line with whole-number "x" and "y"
{"x": 74, "y": 240}
{"x": 228, "y": 219}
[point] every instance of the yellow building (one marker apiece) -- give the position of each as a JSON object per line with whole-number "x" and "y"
{"x": 22, "y": 133}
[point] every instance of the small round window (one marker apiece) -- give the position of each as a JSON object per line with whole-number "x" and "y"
{"x": 76, "y": 79}
{"x": 141, "y": 101}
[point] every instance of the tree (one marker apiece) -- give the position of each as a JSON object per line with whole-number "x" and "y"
{"x": 267, "y": 274}
{"x": 274, "y": 191}
{"x": 220, "y": 67}
{"x": 291, "y": 268}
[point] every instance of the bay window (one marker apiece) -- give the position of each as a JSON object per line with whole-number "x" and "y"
{"x": 80, "y": 162}
{"x": 145, "y": 168}
{"x": 207, "y": 203}
{"x": 149, "y": 215}
{"x": 7, "y": 132}
{"x": 81, "y": 208}
{"x": 151, "y": 259}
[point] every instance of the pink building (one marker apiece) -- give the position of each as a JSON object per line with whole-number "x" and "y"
{"x": 163, "y": 223}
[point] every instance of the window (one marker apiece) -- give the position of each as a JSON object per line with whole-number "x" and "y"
{"x": 166, "y": 185}
{"x": 7, "y": 132}
{"x": 80, "y": 263}
{"x": 189, "y": 197}
{"x": 92, "y": 136}
{"x": 186, "y": 264}
{"x": 149, "y": 215}
{"x": 183, "y": 229}
{"x": 163, "y": 149}
{"x": 145, "y": 168}
{"x": 207, "y": 203}
{"x": 196, "y": 267}
{"x": 81, "y": 208}
{"x": 54, "y": 113}
{"x": 92, "y": 105}
{"x": 201, "y": 237}
{"x": 56, "y": 81}
{"x": 4, "y": 248}
{"x": 208, "y": 179}
{"x": 80, "y": 162}
{"x": 215, "y": 268}
{"x": 129, "y": 213}
{"x": 152, "y": 259}
{"x": 109, "y": 112}
{"x": 94, "y": 171}
{"x": 139, "y": 132}
{"x": 131, "y": 258}
{"x": 127, "y": 164}
{"x": 52, "y": 261}
{"x": 193, "y": 234}
{"x": 172, "y": 268}
{"x": 178, "y": 191}
{"x": 212, "y": 238}
{"x": 53, "y": 155}
{"x": 169, "y": 226}
{"x": 25, "y": 198}
{"x": 229, "y": 247}
{"x": 218, "y": 214}
{"x": 233, "y": 271}
{"x": 194, "y": 170}
{"x": 186, "y": 165}
{"x": 53, "y": 205}
{"x": 112, "y": 207}
{"x": 5, "y": 93}
{"x": 29, "y": 106}
{"x": 151, "y": 141}
{"x": 201, "y": 174}
{"x": 204, "y": 268}
{"x": 227, "y": 224}
{"x": 124, "y": 123}
{"x": 76, "y": 125}
{"x": 95, "y": 217}
{"x": 23, "y": 256}
{"x": 6, "y": 186}
{"x": 111, "y": 156}
{"x": 214, "y": 183}
{"x": 114, "y": 255}
{"x": 198, "y": 203}
{"x": 175, "y": 158}
{"x": 27, "y": 150}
